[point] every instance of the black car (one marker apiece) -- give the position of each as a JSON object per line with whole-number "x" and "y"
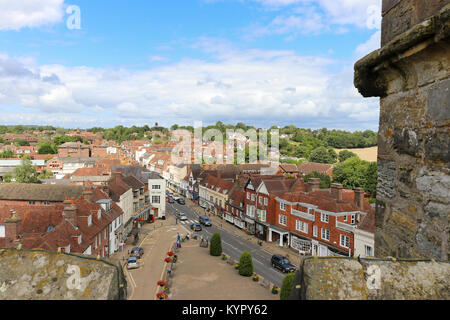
{"x": 181, "y": 201}
{"x": 282, "y": 263}
{"x": 205, "y": 221}
{"x": 196, "y": 227}
{"x": 137, "y": 252}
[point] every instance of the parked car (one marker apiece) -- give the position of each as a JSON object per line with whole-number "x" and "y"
{"x": 175, "y": 197}
{"x": 282, "y": 263}
{"x": 181, "y": 201}
{"x": 137, "y": 252}
{"x": 205, "y": 221}
{"x": 196, "y": 227}
{"x": 182, "y": 216}
{"x": 171, "y": 200}
{"x": 132, "y": 263}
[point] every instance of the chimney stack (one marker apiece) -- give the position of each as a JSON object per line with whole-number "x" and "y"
{"x": 12, "y": 228}
{"x": 70, "y": 211}
{"x": 313, "y": 184}
{"x": 359, "y": 198}
{"x": 337, "y": 190}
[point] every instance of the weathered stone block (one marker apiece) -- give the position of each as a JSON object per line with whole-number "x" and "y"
{"x": 438, "y": 106}
{"x": 36, "y": 275}
{"x": 386, "y": 179}
{"x": 437, "y": 146}
{"x": 406, "y": 141}
{"x": 346, "y": 279}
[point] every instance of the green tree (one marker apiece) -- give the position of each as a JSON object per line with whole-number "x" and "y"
{"x": 46, "y": 148}
{"x": 45, "y": 174}
{"x": 246, "y": 264}
{"x": 21, "y": 142}
{"x": 286, "y": 286}
{"x": 7, "y": 154}
{"x": 215, "y": 247}
{"x": 321, "y": 155}
{"x": 345, "y": 154}
{"x": 354, "y": 173}
{"x": 325, "y": 180}
{"x": 26, "y": 172}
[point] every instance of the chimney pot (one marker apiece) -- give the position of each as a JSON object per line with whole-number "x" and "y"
{"x": 313, "y": 184}
{"x": 337, "y": 190}
{"x": 359, "y": 198}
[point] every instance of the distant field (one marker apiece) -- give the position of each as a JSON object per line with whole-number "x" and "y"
{"x": 368, "y": 154}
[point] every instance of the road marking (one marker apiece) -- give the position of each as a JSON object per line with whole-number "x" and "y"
{"x": 132, "y": 279}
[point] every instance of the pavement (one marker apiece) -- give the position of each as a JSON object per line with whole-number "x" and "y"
{"x": 270, "y": 247}
{"x": 156, "y": 240}
{"x": 197, "y": 269}
{"x": 200, "y": 276}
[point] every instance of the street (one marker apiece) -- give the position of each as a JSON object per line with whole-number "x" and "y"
{"x": 232, "y": 244}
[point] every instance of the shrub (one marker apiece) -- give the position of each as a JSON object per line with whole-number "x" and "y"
{"x": 286, "y": 286}
{"x": 246, "y": 264}
{"x": 215, "y": 248}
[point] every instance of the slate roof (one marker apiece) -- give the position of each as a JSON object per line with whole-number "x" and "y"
{"x": 39, "y": 192}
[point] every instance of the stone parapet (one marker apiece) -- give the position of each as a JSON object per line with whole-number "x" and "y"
{"x": 43, "y": 275}
{"x": 371, "y": 279}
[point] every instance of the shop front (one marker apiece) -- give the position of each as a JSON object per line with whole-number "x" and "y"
{"x": 261, "y": 231}
{"x": 250, "y": 225}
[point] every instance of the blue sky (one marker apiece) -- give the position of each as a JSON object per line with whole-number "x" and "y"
{"x": 263, "y": 62}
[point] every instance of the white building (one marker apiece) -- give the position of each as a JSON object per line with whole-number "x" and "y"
{"x": 157, "y": 193}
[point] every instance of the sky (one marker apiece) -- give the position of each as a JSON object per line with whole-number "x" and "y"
{"x": 86, "y": 63}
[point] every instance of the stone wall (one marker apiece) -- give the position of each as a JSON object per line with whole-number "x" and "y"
{"x": 411, "y": 75}
{"x": 42, "y": 275}
{"x": 371, "y": 279}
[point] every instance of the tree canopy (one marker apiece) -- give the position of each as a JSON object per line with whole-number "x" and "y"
{"x": 354, "y": 173}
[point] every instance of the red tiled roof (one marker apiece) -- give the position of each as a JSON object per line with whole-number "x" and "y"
{"x": 309, "y": 167}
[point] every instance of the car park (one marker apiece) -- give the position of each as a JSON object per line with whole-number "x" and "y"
{"x": 137, "y": 252}
{"x": 282, "y": 263}
{"x": 205, "y": 221}
{"x": 196, "y": 227}
{"x": 132, "y": 263}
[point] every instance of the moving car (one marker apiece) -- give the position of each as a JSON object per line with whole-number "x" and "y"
{"x": 196, "y": 227}
{"x": 182, "y": 216}
{"x": 181, "y": 201}
{"x": 137, "y": 252}
{"x": 132, "y": 263}
{"x": 205, "y": 221}
{"x": 282, "y": 263}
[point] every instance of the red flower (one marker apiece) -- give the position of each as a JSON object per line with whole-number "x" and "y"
{"x": 170, "y": 253}
{"x": 161, "y": 295}
{"x": 161, "y": 283}
{"x": 168, "y": 260}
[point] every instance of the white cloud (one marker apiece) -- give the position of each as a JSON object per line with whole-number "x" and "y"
{"x": 372, "y": 44}
{"x": 18, "y": 14}
{"x": 270, "y": 86}
{"x": 313, "y": 17}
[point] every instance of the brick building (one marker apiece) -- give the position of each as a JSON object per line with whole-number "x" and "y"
{"x": 74, "y": 149}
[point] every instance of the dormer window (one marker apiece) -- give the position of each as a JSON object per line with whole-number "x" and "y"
{"x": 99, "y": 213}
{"x": 79, "y": 240}
{"x": 89, "y": 220}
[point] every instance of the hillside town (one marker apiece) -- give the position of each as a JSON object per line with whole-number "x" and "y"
{"x": 101, "y": 192}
